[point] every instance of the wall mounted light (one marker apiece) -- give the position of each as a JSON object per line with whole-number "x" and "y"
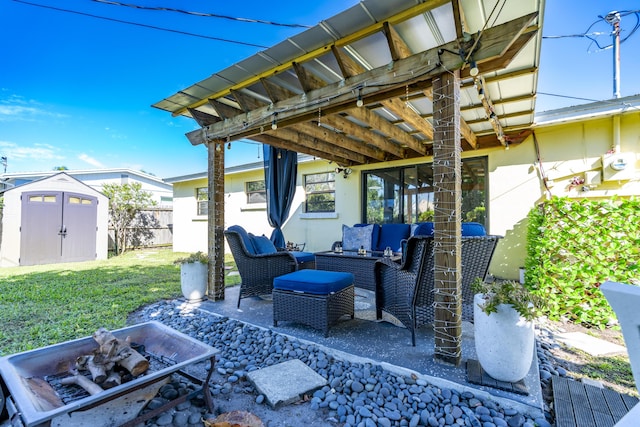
{"x": 344, "y": 171}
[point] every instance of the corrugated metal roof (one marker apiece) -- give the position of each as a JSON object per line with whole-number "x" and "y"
{"x": 359, "y": 36}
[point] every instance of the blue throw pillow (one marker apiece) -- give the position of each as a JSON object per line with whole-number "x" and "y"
{"x": 355, "y": 237}
{"x": 263, "y": 245}
{"x": 246, "y": 239}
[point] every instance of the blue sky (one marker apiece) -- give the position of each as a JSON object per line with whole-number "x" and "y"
{"x": 77, "y": 90}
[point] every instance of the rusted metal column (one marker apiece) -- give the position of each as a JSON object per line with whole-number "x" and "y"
{"x": 215, "y": 214}
{"x": 447, "y": 240}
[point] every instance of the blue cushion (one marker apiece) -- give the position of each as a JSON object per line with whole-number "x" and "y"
{"x": 391, "y": 235}
{"x": 356, "y": 237}
{"x": 263, "y": 245}
{"x": 303, "y": 256}
{"x": 317, "y": 282}
{"x": 473, "y": 229}
{"x": 375, "y": 234}
{"x": 422, "y": 229}
{"x": 246, "y": 239}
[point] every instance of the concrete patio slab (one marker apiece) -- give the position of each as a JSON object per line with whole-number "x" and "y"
{"x": 285, "y": 382}
{"x": 592, "y": 345}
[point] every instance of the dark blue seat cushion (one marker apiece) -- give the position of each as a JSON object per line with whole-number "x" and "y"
{"x": 303, "y": 256}
{"x": 317, "y": 282}
{"x": 423, "y": 229}
{"x": 263, "y": 245}
{"x": 473, "y": 229}
{"x": 391, "y": 235}
{"x": 246, "y": 239}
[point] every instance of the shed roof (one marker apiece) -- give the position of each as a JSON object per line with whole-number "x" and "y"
{"x": 385, "y": 54}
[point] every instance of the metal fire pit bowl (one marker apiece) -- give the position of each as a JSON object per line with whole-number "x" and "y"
{"x": 37, "y": 402}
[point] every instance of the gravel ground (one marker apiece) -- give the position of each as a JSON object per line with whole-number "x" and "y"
{"x": 363, "y": 395}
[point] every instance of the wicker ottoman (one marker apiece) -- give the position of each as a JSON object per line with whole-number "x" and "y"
{"x": 314, "y": 298}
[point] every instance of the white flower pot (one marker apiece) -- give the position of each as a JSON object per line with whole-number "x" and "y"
{"x": 504, "y": 341}
{"x": 193, "y": 281}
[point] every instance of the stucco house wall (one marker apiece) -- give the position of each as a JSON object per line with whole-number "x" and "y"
{"x": 568, "y": 143}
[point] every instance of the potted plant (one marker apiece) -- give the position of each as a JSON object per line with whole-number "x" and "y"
{"x": 503, "y": 328}
{"x": 193, "y": 276}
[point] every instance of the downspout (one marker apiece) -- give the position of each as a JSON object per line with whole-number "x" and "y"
{"x": 616, "y": 133}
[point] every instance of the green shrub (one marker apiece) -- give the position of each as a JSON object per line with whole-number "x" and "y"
{"x": 575, "y": 245}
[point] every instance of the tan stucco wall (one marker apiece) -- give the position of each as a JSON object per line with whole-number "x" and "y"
{"x": 515, "y": 185}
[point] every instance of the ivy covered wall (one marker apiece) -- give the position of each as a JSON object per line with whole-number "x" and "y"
{"x": 575, "y": 245}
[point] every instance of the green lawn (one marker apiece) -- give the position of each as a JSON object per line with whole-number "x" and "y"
{"x": 48, "y": 304}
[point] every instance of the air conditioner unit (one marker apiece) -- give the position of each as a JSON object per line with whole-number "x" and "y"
{"x": 618, "y": 166}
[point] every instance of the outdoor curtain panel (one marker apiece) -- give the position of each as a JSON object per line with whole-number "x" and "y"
{"x": 280, "y": 171}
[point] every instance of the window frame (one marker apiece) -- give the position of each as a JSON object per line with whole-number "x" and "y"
{"x": 331, "y": 181}
{"x": 401, "y": 215}
{"x": 249, "y": 193}
{"x": 202, "y": 205}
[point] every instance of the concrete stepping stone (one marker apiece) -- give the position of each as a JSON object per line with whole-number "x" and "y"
{"x": 285, "y": 382}
{"x": 592, "y": 345}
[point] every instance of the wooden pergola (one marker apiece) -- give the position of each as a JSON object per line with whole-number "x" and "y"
{"x": 378, "y": 82}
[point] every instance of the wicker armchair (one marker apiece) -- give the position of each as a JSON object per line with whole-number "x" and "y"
{"x": 406, "y": 290}
{"x": 257, "y": 271}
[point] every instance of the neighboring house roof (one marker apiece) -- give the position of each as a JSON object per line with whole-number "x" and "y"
{"x": 37, "y": 175}
{"x": 357, "y": 87}
{"x": 53, "y": 178}
{"x": 592, "y": 110}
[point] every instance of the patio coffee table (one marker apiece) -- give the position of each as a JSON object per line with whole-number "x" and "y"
{"x": 350, "y": 262}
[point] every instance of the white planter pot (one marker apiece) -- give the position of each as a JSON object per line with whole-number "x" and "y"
{"x": 504, "y": 342}
{"x": 193, "y": 280}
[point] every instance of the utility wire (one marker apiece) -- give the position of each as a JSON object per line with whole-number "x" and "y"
{"x": 592, "y": 36}
{"x": 201, "y": 14}
{"x": 143, "y": 25}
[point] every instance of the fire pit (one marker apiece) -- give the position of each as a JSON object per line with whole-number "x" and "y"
{"x": 37, "y": 397}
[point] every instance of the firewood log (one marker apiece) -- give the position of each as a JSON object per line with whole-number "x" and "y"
{"x": 112, "y": 380}
{"x": 97, "y": 368}
{"x": 120, "y": 352}
{"x": 84, "y": 382}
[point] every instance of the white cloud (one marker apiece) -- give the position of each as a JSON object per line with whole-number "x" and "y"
{"x": 36, "y": 152}
{"x": 93, "y": 162}
{"x": 15, "y": 108}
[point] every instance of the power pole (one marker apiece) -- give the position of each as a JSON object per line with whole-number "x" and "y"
{"x": 3, "y": 162}
{"x": 613, "y": 18}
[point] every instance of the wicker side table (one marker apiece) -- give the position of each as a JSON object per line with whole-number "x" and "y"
{"x": 313, "y": 304}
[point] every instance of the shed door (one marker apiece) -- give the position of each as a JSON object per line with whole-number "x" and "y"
{"x": 79, "y": 221}
{"x": 57, "y": 227}
{"x": 41, "y": 218}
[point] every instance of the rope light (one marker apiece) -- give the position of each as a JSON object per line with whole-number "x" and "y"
{"x": 446, "y": 179}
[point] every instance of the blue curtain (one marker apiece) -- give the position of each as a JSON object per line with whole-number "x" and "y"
{"x": 280, "y": 171}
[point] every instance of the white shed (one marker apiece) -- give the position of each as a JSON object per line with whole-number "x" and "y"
{"x": 51, "y": 220}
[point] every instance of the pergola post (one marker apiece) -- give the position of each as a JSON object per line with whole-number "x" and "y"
{"x": 215, "y": 214}
{"x": 447, "y": 197}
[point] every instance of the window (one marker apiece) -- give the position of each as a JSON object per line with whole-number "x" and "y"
{"x": 256, "y": 192}
{"x": 202, "y": 199}
{"x": 406, "y": 194}
{"x": 320, "y": 192}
